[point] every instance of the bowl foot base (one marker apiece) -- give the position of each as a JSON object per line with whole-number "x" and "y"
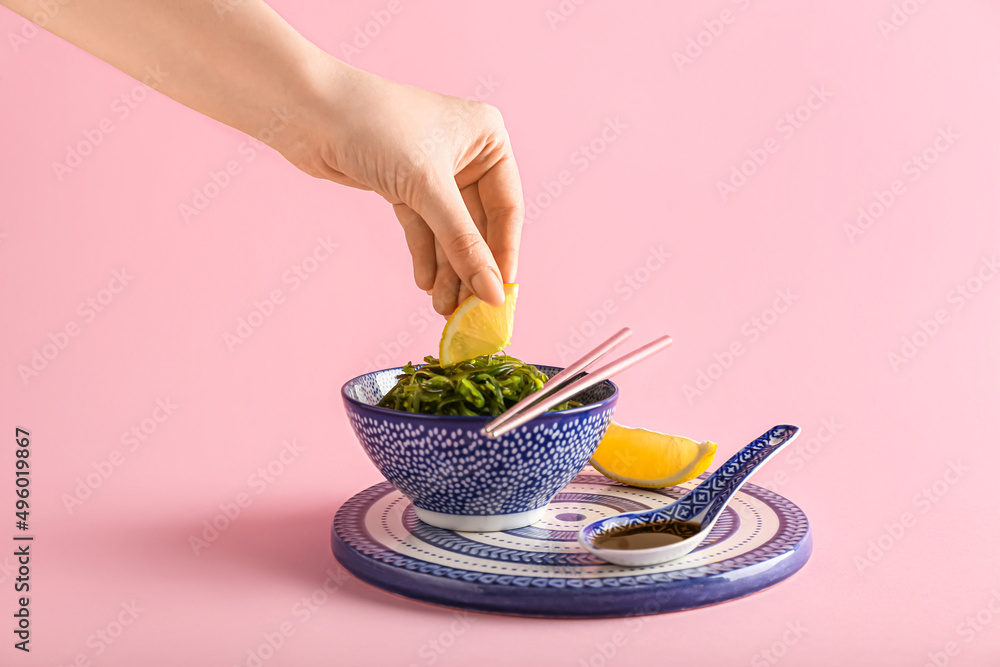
{"x": 480, "y": 523}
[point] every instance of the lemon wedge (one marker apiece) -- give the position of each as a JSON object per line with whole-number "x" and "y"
{"x": 477, "y": 328}
{"x": 638, "y": 457}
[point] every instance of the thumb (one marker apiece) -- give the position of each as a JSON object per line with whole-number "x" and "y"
{"x": 444, "y": 211}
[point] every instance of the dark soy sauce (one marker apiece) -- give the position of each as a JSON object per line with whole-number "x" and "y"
{"x": 646, "y": 536}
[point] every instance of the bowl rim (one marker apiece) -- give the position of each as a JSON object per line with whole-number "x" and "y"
{"x": 583, "y": 409}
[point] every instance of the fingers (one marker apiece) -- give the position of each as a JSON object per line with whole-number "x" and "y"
{"x": 444, "y": 296}
{"x": 503, "y": 204}
{"x": 443, "y": 209}
{"x": 420, "y": 241}
{"x": 463, "y": 292}
{"x": 470, "y": 195}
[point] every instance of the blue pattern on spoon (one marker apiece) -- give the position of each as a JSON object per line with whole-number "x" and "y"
{"x": 703, "y": 505}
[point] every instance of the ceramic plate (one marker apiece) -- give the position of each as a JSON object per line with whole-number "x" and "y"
{"x": 760, "y": 539}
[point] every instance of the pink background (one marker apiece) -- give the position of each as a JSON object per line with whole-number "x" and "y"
{"x": 896, "y": 485}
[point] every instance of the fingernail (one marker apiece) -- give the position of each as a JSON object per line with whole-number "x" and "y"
{"x": 487, "y": 286}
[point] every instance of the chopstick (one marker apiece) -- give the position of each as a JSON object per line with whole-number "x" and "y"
{"x": 552, "y": 399}
{"x": 567, "y": 374}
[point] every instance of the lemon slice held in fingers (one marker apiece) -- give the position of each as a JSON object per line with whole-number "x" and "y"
{"x": 477, "y": 328}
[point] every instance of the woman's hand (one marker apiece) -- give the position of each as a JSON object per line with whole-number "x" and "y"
{"x": 444, "y": 163}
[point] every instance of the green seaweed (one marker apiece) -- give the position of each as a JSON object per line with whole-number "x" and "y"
{"x": 485, "y": 386}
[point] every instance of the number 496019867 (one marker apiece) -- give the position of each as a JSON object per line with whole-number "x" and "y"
{"x": 22, "y": 479}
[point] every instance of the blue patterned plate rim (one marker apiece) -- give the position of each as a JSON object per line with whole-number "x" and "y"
{"x": 471, "y": 420}
{"x": 779, "y": 557}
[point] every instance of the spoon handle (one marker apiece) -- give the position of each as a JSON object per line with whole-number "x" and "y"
{"x": 709, "y": 497}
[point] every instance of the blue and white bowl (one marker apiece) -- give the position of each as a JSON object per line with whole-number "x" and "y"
{"x": 458, "y": 478}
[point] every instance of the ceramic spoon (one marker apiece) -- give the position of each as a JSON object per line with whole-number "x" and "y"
{"x": 629, "y": 538}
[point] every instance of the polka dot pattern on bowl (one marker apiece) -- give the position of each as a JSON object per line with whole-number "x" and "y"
{"x": 443, "y": 464}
